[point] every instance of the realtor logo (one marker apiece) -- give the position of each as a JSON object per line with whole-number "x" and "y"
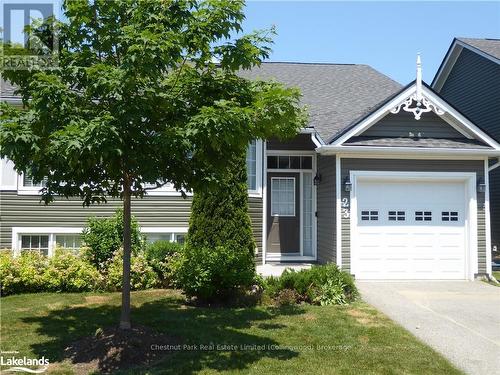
{"x": 23, "y": 364}
{"x": 36, "y": 48}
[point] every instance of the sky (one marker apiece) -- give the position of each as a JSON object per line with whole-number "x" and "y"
{"x": 384, "y": 35}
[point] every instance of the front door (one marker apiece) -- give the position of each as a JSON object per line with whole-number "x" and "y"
{"x": 283, "y": 213}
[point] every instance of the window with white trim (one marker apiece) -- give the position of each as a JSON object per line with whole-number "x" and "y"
{"x": 252, "y": 165}
{"x": 283, "y": 196}
{"x": 29, "y": 182}
{"x": 35, "y": 242}
{"x": 69, "y": 241}
{"x": 165, "y": 236}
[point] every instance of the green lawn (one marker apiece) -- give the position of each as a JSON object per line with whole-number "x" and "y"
{"x": 357, "y": 339}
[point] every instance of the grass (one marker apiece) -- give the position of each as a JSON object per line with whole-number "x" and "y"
{"x": 353, "y": 339}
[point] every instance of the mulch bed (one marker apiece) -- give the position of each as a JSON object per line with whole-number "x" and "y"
{"x": 112, "y": 349}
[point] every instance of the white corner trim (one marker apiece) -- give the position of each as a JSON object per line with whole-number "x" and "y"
{"x": 489, "y": 266}
{"x": 338, "y": 209}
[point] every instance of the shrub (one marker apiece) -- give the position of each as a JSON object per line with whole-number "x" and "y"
{"x": 287, "y": 297}
{"x": 219, "y": 216}
{"x": 325, "y": 285}
{"x": 22, "y": 274}
{"x": 142, "y": 275}
{"x": 104, "y": 236}
{"x": 158, "y": 255}
{"x": 213, "y": 274}
{"x": 67, "y": 272}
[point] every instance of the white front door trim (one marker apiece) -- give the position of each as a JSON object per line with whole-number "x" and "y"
{"x": 468, "y": 178}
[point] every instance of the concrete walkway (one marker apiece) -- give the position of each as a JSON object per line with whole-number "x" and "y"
{"x": 459, "y": 319}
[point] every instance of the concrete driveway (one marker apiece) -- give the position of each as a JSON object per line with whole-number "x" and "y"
{"x": 460, "y": 319}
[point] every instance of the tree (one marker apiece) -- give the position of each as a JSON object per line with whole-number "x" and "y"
{"x": 221, "y": 219}
{"x": 145, "y": 92}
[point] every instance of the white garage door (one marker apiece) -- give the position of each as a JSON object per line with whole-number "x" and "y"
{"x": 410, "y": 230}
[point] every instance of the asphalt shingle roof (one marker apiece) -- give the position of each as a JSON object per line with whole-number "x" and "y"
{"x": 462, "y": 143}
{"x": 336, "y": 94}
{"x": 488, "y": 46}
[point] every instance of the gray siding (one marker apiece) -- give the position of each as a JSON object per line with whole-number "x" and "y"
{"x": 326, "y": 209}
{"x": 402, "y": 123}
{"x": 301, "y": 142}
{"x": 473, "y": 87}
{"x": 348, "y": 165}
{"x": 152, "y": 211}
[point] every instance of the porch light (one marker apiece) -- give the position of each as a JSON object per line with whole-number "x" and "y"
{"x": 347, "y": 184}
{"x": 317, "y": 179}
{"x": 481, "y": 186}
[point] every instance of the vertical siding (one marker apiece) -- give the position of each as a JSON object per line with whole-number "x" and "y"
{"x": 348, "y": 165}
{"x": 151, "y": 211}
{"x": 326, "y": 209}
{"x": 402, "y": 123}
{"x": 473, "y": 87}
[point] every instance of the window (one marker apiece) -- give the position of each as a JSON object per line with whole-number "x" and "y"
{"x": 369, "y": 215}
{"x": 69, "y": 241}
{"x": 423, "y": 215}
{"x": 283, "y": 196}
{"x": 396, "y": 216}
{"x": 165, "y": 236}
{"x": 289, "y": 162}
{"x": 449, "y": 216}
{"x": 35, "y": 242}
{"x": 252, "y": 166}
{"x": 29, "y": 182}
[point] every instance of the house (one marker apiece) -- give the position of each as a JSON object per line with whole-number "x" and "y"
{"x": 388, "y": 182}
{"x": 469, "y": 79}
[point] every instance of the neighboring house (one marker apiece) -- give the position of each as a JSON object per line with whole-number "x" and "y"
{"x": 388, "y": 182}
{"x": 469, "y": 79}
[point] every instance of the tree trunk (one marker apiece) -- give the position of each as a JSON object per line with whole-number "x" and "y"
{"x": 127, "y": 250}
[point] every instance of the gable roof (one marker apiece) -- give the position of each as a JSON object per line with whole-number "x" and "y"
{"x": 353, "y": 136}
{"x": 336, "y": 94}
{"x": 487, "y": 48}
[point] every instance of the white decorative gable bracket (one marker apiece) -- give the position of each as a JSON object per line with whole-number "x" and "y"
{"x": 416, "y": 103}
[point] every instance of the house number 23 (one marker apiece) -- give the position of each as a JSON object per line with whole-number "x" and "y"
{"x": 345, "y": 208}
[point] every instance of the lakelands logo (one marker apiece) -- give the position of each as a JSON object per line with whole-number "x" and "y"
{"x": 23, "y": 364}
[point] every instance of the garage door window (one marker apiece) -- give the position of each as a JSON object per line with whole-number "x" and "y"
{"x": 449, "y": 216}
{"x": 423, "y": 215}
{"x": 397, "y": 216}
{"x": 369, "y": 215}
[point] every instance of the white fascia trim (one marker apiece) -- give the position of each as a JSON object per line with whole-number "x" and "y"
{"x": 395, "y": 151}
{"x": 375, "y": 116}
{"x": 451, "y": 59}
{"x": 465, "y": 127}
{"x": 489, "y": 266}
{"x": 464, "y": 121}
